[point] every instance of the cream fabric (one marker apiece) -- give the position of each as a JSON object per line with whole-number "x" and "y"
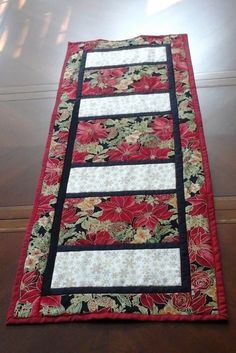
{"x": 122, "y": 178}
{"x": 126, "y": 56}
{"x": 108, "y": 268}
{"x": 130, "y": 104}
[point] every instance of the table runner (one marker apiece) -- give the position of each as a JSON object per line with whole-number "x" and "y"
{"x": 123, "y": 224}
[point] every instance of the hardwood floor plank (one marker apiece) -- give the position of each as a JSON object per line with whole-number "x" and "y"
{"x": 226, "y": 216}
{"x": 13, "y": 225}
{"x": 15, "y": 212}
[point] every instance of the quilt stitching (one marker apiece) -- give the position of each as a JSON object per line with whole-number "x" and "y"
{"x": 184, "y": 252}
{"x": 203, "y": 301}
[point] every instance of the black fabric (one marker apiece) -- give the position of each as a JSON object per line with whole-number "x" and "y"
{"x": 113, "y": 163}
{"x": 97, "y": 68}
{"x": 121, "y": 116}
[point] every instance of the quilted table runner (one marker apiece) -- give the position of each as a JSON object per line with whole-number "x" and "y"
{"x": 123, "y": 225}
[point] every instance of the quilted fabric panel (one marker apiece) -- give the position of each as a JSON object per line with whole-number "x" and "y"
{"x": 123, "y": 225}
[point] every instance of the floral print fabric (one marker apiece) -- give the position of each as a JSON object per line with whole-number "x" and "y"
{"x": 135, "y": 219}
{"x": 127, "y": 139}
{"x": 138, "y": 78}
{"x": 119, "y": 219}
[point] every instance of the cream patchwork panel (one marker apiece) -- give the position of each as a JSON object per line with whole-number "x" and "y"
{"x": 117, "y": 268}
{"x": 122, "y": 178}
{"x": 126, "y": 56}
{"x": 126, "y": 104}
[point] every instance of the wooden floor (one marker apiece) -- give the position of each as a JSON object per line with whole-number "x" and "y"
{"x": 33, "y": 39}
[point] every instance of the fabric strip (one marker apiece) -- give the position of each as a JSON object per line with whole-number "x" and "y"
{"x": 126, "y": 104}
{"x": 115, "y": 268}
{"x": 129, "y": 56}
{"x": 122, "y": 178}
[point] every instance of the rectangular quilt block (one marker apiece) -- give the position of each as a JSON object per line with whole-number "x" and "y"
{"x": 123, "y": 225}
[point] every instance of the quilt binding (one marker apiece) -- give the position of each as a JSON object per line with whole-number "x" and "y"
{"x": 10, "y": 319}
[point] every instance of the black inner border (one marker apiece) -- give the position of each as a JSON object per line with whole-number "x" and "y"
{"x": 120, "y": 94}
{"x": 121, "y": 116}
{"x": 185, "y": 267}
{"x": 122, "y": 246}
{"x": 96, "y": 68}
{"x": 113, "y": 163}
{"x": 120, "y": 193}
{"x": 184, "y": 257}
{"x": 114, "y": 290}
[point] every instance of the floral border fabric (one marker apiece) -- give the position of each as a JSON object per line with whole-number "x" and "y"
{"x": 206, "y": 299}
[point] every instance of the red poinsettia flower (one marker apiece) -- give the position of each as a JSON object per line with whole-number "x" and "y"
{"x": 30, "y": 281}
{"x": 199, "y": 304}
{"x": 74, "y": 47}
{"x": 180, "y": 62}
{"x": 148, "y": 300}
{"x": 53, "y": 171}
{"x": 163, "y": 128}
{"x": 120, "y": 208}
{"x": 31, "y": 292}
{"x": 123, "y": 152}
{"x": 99, "y": 238}
{"x": 115, "y": 72}
{"x": 199, "y": 205}
{"x": 149, "y": 83}
{"x": 58, "y": 149}
{"x": 179, "y": 87}
{"x": 151, "y": 39}
{"x": 200, "y": 249}
{"x": 106, "y": 79}
{"x": 44, "y": 203}
{"x": 163, "y": 198}
{"x": 70, "y": 87}
{"x": 188, "y": 138}
{"x": 90, "y": 132}
{"x": 63, "y": 136}
{"x": 88, "y": 90}
{"x": 105, "y": 86}
{"x": 151, "y": 215}
{"x": 160, "y": 298}
{"x": 79, "y": 157}
{"x": 68, "y": 216}
{"x": 177, "y": 42}
{"x": 90, "y": 45}
{"x": 51, "y": 300}
{"x": 146, "y": 153}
